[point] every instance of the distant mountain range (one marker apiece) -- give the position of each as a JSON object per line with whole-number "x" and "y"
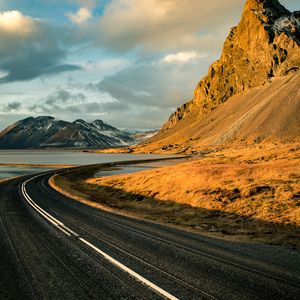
{"x": 141, "y": 136}
{"x": 44, "y": 131}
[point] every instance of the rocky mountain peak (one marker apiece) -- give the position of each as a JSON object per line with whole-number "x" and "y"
{"x": 103, "y": 126}
{"x": 40, "y": 123}
{"x": 79, "y": 121}
{"x": 98, "y": 122}
{"x": 265, "y": 10}
{"x": 265, "y": 44}
{"x": 273, "y": 17}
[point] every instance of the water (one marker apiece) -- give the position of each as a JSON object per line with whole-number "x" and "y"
{"x": 117, "y": 170}
{"x": 57, "y": 157}
{"x": 13, "y": 171}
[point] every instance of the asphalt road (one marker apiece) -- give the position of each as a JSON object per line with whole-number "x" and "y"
{"x": 52, "y": 247}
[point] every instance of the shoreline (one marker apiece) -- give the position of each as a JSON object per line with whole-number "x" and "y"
{"x": 24, "y": 165}
{"x": 15, "y": 166}
{"x": 37, "y": 166}
{"x": 82, "y": 186}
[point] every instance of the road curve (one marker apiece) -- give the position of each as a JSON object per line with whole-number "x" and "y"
{"x": 55, "y": 248}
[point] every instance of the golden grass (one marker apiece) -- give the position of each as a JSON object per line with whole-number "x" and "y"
{"x": 245, "y": 194}
{"x": 244, "y": 182}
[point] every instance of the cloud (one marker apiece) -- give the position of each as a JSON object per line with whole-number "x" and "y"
{"x": 30, "y": 48}
{"x": 70, "y": 104}
{"x": 8, "y": 119}
{"x": 3, "y": 74}
{"x": 159, "y": 85}
{"x": 182, "y": 57}
{"x": 292, "y": 5}
{"x": 156, "y": 25}
{"x": 81, "y": 16}
{"x": 13, "y": 22}
{"x": 60, "y": 100}
{"x": 63, "y": 96}
{"x": 73, "y": 106}
{"x": 121, "y": 114}
{"x": 10, "y": 107}
{"x": 133, "y": 117}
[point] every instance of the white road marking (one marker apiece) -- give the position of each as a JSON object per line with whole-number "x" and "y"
{"x": 66, "y": 230}
{"x": 42, "y": 212}
{"x": 49, "y": 217}
{"x": 131, "y": 272}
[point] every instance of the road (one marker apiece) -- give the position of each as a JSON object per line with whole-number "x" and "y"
{"x": 55, "y": 248}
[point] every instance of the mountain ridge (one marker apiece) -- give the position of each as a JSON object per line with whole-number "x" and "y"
{"x": 264, "y": 46}
{"x": 206, "y": 94}
{"x": 46, "y": 131}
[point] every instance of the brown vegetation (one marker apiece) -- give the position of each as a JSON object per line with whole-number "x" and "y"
{"x": 244, "y": 123}
{"x": 245, "y": 194}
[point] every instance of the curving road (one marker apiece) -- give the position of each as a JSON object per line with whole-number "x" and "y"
{"x": 55, "y": 248}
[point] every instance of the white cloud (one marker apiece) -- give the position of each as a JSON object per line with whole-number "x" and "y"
{"x": 30, "y": 48}
{"x": 3, "y": 74}
{"x": 81, "y": 16}
{"x": 159, "y": 85}
{"x": 155, "y": 25}
{"x": 182, "y": 57}
{"x": 16, "y": 23}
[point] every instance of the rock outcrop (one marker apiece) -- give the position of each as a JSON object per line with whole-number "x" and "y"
{"x": 265, "y": 44}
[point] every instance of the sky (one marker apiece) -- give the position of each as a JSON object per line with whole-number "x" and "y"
{"x": 129, "y": 63}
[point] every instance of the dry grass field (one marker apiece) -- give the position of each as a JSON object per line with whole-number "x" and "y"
{"x": 249, "y": 194}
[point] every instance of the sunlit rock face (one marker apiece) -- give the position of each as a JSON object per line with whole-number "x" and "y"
{"x": 264, "y": 45}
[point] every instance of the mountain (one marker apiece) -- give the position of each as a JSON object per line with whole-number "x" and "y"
{"x": 258, "y": 73}
{"x": 140, "y": 136}
{"x": 50, "y": 132}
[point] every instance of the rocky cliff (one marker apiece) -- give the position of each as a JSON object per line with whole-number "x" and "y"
{"x": 264, "y": 45}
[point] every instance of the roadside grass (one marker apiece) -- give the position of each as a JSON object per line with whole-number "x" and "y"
{"x": 246, "y": 194}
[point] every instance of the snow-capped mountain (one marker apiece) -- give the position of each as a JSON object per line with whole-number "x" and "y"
{"x": 140, "y": 135}
{"x": 144, "y": 135}
{"x": 50, "y": 132}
